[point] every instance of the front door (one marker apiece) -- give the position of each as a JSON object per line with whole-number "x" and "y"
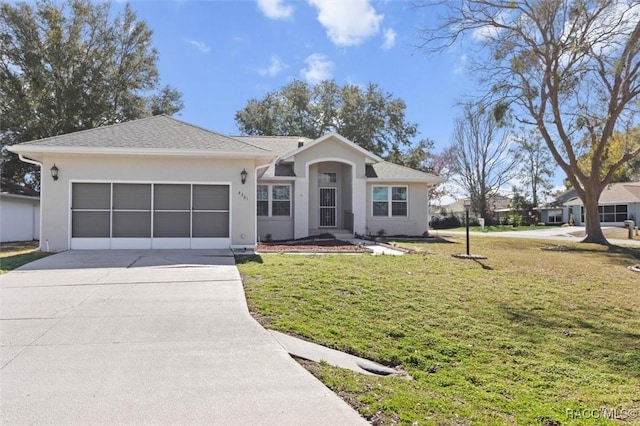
{"x": 328, "y": 207}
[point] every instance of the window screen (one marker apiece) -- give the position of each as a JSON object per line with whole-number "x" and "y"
{"x": 91, "y": 196}
{"x": 131, "y": 196}
{"x": 172, "y": 197}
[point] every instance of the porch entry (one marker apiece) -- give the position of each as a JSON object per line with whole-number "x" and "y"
{"x": 328, "y": 207}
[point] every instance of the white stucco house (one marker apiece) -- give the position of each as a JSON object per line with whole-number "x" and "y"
{"x": 159, "y": 182}
{"x": 19, "y": 213}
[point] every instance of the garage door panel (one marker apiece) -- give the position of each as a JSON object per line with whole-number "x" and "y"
{"x": 171, "y": 225}
{"x": 210, "y": 224}
{"x": 210, "y": 197}
{"x": 91, "y": 196}
{"x": 90, "y": 224}
{"x": 131, "y": 196}
{"x": 131, "y": 224}
{"x": 172, "y": 197}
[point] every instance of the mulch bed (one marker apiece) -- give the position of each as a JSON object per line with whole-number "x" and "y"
{"x": 310, "y": 246}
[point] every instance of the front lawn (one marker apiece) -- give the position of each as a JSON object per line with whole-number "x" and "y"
{"x": 527, "y": 337}
{"x": 14, "y": 255}
{"x": 495, "y": 228}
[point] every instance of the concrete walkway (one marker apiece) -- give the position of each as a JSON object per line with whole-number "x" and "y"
{"x": 146, "y": 337}
{"x": 376, "y": 249}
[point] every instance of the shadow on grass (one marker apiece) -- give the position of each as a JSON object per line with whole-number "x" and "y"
{"x": 617, "y": 349}
{"x": 485, "y": 267}
{"x": 251, "y": 258}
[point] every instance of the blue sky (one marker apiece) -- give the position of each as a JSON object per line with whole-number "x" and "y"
{"x": 220, "y": 54}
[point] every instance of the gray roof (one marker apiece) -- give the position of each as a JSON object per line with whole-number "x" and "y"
{"x": 280, "y": 145}
{"x": 622, "y": 193}
{"x": 9, "y": 188}
{"x": 387, "y": 170}
{"x": 157, "y": 132}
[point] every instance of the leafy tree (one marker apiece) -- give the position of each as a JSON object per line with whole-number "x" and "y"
{"x": 368, "y": 116}
{"x": 482, "y": 163}
{"x": 534, "y": 165}
{"x": 619, "y": 143}
{"x": 568, "y": 68}
{"x": 69, "y": 66}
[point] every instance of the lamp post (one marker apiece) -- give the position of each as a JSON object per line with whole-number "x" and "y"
{"x": 467, "y": 205}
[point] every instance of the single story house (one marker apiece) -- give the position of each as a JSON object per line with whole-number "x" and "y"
{"x": 159, "y": 182}
{"x": 617, "y": 203}
{"x": 19, "y": 212}
{"x": 498, "y": 207}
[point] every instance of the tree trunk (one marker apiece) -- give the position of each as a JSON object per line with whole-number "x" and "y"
{"x": 593, "y": 229}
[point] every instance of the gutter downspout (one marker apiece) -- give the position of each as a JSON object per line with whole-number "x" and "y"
{"x": 39, "y": 164}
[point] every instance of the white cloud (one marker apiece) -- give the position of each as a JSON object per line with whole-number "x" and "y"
{"x": 461, "y": 65}
{"x": 275, "y": 9}
{"x": 319, "y": 68}
{"x": 274, "y": 68}
{"x": 488, "y": 32}
{"x": 348, "y": 23}
{"x": 200, "y": 45}
{"x": 389, "y": 39}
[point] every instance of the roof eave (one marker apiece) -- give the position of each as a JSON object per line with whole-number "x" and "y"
{"x": 430, "y": 181}
{"x": 141, "y": 151}
{"x": 22, "y": 197}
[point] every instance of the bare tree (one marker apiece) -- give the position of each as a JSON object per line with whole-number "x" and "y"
{"x": 569, "y": 68}
{"x": 482, "y": 161}
{"x": 535, "y": 165}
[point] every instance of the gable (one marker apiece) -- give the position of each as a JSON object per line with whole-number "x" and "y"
{"x": 332, "y": 145}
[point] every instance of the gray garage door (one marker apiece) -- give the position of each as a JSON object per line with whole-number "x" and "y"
{"x": 149, "y": 215}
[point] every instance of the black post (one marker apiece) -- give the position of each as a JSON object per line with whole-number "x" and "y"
{"x": 467, "y": 231}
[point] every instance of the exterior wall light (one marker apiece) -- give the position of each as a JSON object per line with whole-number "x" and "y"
{"x": 243, "y": 176}
{"x": 54, "y": 172}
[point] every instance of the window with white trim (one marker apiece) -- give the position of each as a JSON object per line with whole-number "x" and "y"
{"x": 389, "y": 201}
{"x": 273, "y": 200}
{"x": 262, "y": 203}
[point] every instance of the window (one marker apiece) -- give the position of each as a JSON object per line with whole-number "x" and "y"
{"x": 555, "y": 216}
{"x": 327, "y": 177}
{"x": 390, "y": 201}
{"x": 281, "y": 201}
{"x": 273, "y": 200}
{"x": 610, "y": 213}
{"x": 263, "y": 200}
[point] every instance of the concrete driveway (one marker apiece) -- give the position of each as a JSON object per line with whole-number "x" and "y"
{"x": 146, "y": 337}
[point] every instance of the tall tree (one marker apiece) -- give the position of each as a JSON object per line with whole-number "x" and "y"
{"x": 534, "y": 165}
{"x": 569, "y": 68}
{"x": 368, "y": 116}
{"x": 69, "y": 66}
{"x": 483, "y": 162}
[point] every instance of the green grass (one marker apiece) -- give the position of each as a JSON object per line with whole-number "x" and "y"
{"x": 14, "y": 255}
{"x": 496, "y": 228}
{"x": 519, "y": 338}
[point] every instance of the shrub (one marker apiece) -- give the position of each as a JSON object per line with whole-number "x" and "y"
{"x": 445, "y": 222}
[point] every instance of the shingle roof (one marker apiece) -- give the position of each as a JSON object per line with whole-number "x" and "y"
{"x": 280, "y": 145}
{"x": 618, "y": 193}
{"x": 157, "y": 132}
{"x": 386, "y": 170}
{"x": 8, "y": 187}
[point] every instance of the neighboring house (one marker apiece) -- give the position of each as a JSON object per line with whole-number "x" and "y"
{"x": 19, "y": 212}
{"x": 557, "y": 212}
{"x": 162, "y": 183}
{"x": 618, "y": 202}
{"x": 498, "y": 207}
